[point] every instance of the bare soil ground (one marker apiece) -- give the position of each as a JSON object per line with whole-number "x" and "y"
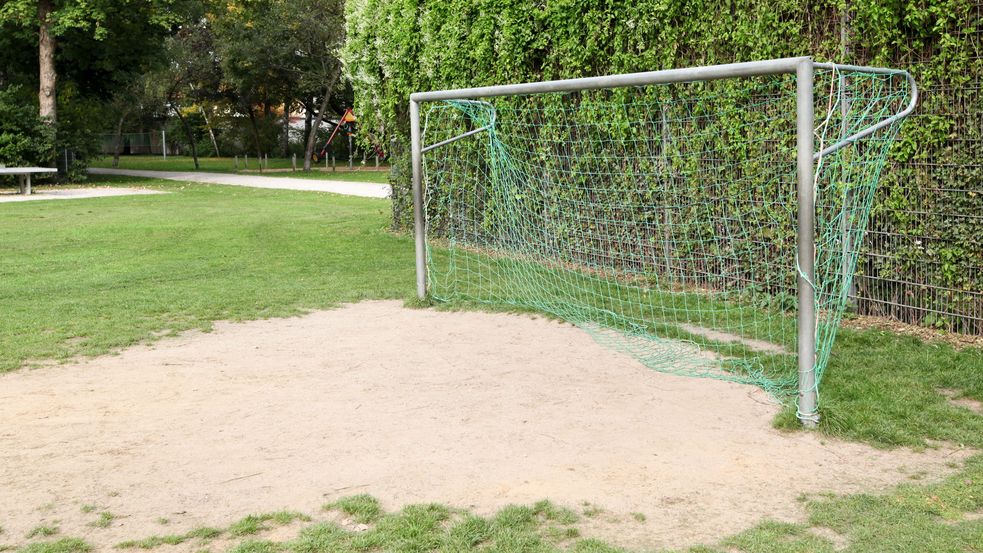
{"x": 471, "y": 409}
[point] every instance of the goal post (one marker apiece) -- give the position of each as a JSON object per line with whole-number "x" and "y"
{"x": 669, "y": 234}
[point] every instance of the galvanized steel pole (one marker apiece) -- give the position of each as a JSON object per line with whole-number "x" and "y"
{"x": 419, "y": 224}
{"x": 805, "y": 256}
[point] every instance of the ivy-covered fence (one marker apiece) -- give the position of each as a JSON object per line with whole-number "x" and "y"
{"x": 923, "y": 260}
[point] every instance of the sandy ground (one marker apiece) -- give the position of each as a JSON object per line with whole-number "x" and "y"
{"x": 364, "y": 189}
{"x": 472, "y": 409}
{"x": 73, "y": 193}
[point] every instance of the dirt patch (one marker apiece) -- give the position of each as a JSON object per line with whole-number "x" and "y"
{"x": 727, "y": 338}
{"x": 838, "y": 540}
{"x": 471, "y": 409}
{"x": 952, "y": 396}
{"x": 864, "y": 322}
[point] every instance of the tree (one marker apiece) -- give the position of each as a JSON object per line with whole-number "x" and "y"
{"x": 254, "y": 45}
{"x": 276, "y": 53}
{"x": 54, "y": 18}
{"x": 191, "y": 75}
{"x": 318, "y": 37}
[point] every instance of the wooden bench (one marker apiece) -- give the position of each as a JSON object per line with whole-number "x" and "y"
{"x": 24, "y": 175}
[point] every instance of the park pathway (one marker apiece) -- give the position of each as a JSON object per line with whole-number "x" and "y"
{"x": 364, "y": 189}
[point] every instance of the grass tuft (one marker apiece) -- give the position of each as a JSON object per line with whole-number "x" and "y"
{"x": 363, "y": 508}
{"x": 203, "y": 534}
{"x": 257, "y": 546}
{"x": 105, "y": 520}
{"x": 554, "y": 513}
{"x": 42, "y": 531}
{"x": 64, "y": 545}
{"x": 591, "y": 510}
{"x": 254, "y": 524}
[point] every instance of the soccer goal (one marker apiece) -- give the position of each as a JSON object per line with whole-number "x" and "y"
{"x": 705, "y": 220}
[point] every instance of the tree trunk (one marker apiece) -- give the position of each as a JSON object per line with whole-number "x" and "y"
{"x": 118, "y": 139}
{"x": 211, "y": 132}
{"x": 252, "y": 122}
{"x": 312, "y": 137}
{"x": 308, "y": 118}
{"x": 190, "y": 135}
{"x": 286, "y": 128}
{"x": 48, "y": 77}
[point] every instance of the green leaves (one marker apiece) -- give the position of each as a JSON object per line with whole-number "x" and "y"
{"x": 24, "y": 138}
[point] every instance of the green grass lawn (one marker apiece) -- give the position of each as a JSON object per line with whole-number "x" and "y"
{"x": 368, "y": 173}
{"x": 89, "y": 276}
{"x": 86, "y": 277}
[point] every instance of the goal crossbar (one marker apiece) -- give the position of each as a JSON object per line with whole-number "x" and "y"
{"x": 806, "y": 159}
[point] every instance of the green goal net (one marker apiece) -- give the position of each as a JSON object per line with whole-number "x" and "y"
{"x": 661, "y": 219}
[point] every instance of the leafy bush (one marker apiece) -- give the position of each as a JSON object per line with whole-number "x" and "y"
{"x": 24, "y": 138}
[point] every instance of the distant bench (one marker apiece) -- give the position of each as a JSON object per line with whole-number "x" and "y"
{"x": 24, "y": 175}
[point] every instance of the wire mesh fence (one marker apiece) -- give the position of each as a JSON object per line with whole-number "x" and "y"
{"x": 922, "y": 260}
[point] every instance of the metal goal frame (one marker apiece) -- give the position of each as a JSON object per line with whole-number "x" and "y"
{"x": 806, "y": 158}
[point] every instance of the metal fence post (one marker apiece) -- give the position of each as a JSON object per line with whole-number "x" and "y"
{"x": 805, "y": 255}
{"x": 419, "y": 226}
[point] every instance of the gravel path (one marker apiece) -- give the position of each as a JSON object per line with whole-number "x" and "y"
{"x": 73, "y": 193}
{"x": 364, "y": 189}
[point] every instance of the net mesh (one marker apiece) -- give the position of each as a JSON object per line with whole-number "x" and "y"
{"x": 661, "y": 219}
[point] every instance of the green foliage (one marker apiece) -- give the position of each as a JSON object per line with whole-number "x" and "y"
{"x": 92, "y": 16}
{"x": 396, "y": 47}
{"x": 24, "y": 138}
